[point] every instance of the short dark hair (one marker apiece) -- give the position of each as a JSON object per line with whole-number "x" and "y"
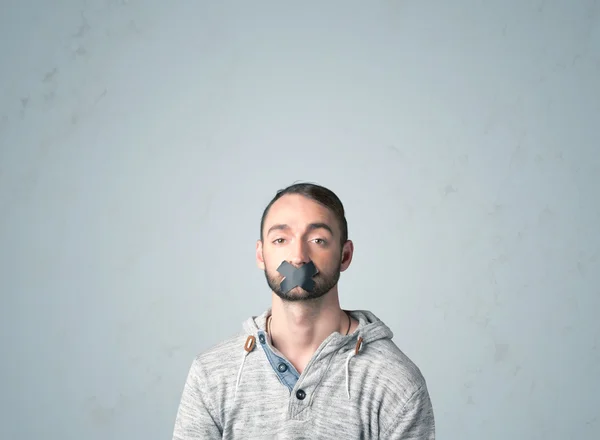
{"x": 319, "y": 194}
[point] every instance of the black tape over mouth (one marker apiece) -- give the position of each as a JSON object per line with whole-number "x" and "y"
{"x": 297, "y": 276}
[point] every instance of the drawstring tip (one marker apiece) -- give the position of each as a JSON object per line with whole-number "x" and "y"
{"x": 248, "y": 347}
{"x": 350, "y": 356}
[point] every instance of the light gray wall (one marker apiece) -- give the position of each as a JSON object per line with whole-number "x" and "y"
{"x": 140, "y": 141}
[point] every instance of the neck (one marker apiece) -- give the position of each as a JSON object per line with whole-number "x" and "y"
{"x": 297, "y": 329}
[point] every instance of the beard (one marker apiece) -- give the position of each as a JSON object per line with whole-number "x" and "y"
{"x": 324, "y": 282}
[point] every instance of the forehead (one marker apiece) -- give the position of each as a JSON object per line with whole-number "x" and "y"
{"x": 297, "y": 211}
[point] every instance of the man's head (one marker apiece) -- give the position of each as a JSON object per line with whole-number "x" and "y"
{"x": 304, "y": 223}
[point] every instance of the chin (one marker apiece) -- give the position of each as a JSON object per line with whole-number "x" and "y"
{"x": 298, "y": 294}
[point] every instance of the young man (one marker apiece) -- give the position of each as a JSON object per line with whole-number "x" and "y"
{"x": 305, "y": 368}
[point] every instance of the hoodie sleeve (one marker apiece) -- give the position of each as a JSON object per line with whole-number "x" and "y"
{"x": 415, "y": 420}
{"x": 196, "y": 418}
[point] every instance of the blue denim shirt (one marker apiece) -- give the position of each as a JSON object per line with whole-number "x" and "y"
{"x": 287, "y": 374}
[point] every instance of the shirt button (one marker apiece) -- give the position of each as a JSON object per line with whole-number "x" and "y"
{"x": 261, "y": 338}
{"x": 282, "y": 367}
{"x": 300, "y": 394}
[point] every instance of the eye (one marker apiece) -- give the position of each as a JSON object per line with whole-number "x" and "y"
{"x": 278, "y": 241}
{"x": 320, "y": 241}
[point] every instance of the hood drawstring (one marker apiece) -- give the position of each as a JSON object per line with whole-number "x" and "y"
{"x": 248, "y": 347}
{"x": 350, "y": 356}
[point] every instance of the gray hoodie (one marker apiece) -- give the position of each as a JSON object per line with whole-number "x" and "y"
{"x": 359, "y": 386}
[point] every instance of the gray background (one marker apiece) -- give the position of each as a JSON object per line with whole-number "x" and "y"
{"x": 140, "y": 141}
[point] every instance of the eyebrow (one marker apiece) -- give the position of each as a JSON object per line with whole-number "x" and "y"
{"x": 311, "y": 227}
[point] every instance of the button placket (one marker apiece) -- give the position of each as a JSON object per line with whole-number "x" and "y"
{"x": 284, "y": 370}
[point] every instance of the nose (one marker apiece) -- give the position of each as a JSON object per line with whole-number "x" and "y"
{"x": 299, "y": 253}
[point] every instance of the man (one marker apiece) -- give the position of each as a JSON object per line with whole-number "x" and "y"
{"x": 305, "y": 368}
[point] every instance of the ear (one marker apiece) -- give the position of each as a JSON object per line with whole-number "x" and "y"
{"x": 260, "y": 262}
{"x": 347, "y": 253}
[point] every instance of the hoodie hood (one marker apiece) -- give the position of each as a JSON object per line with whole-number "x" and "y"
{"x": 370, "y": 329}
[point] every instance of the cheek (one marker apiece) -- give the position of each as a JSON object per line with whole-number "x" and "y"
{"x": 327, "y": 265}
{"x": 271, "y": 265}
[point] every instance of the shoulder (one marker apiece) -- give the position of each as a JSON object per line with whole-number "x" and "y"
{"x": 398, "y": 388}
{"x": 212, "y": 371}
{"x": 392, "y": 370}
{"x": 225, "y": 353}
{"x": 220, "y": 361}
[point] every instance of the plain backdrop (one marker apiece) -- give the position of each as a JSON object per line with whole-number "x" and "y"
{"x": 141, "y": 140}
